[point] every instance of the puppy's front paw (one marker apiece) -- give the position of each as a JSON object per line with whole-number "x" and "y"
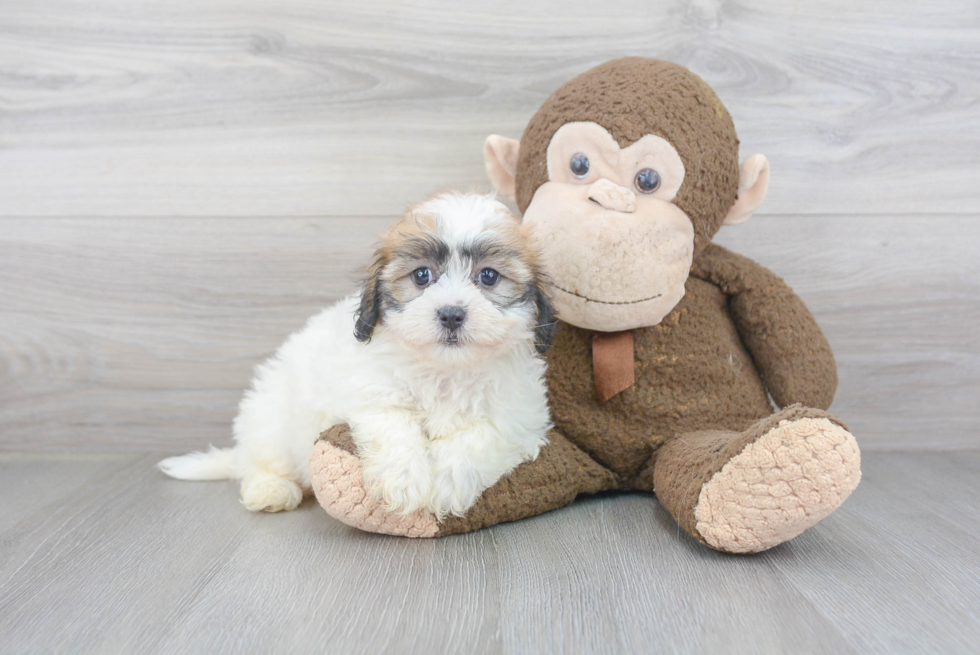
{"x": 454, "y": 490}
{"x": 403, "y": 485}
{"x": 405, "y": 494}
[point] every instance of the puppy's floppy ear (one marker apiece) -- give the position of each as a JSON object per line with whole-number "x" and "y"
{"x": 546, "y": 322}
{"x": 369, "y": 312}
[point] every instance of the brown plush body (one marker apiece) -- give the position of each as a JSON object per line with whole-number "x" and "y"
{"x": 692, "y": 420}
{"x": 715, "y": 384}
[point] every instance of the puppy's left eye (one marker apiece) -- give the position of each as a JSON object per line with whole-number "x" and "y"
{"x": 489, "y": 277}
{"x": 421, "y": 276}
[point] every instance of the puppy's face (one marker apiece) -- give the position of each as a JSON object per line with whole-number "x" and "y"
{"x": 457, "y": 280}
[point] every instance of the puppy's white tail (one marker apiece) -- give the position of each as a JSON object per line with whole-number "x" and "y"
{"x": 215, "y": 464}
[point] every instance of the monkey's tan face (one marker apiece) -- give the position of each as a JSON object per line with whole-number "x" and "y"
{"x": 617, "y": 250}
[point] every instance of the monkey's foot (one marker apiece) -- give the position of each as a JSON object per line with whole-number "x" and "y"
{"x": 339, "y": 486}
{"x": 787, "y": 480}
{"x": 747, "y": 492}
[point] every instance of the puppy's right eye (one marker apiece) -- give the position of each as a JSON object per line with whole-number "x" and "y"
{"x": 422, "y": 276}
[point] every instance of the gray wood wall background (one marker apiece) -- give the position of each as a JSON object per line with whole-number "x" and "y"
{"x": 183, "y": 183}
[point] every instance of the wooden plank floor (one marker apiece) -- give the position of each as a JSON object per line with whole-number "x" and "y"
{"x": 101, "y": 553}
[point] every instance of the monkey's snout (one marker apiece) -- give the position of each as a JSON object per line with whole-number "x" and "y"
{"x": 611, "y": 196}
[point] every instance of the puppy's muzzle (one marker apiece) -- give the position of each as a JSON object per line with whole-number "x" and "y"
{"x": 452, "y": 319}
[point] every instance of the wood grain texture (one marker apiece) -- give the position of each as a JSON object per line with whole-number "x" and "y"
{"x": 899, "y": 301}
{"x": 262, "y": 107}
{"x": 131, "y": 334}
{"x": 153, "y": 327}
{"x": 182, "y": 184}
{"x": 132, "y": 561}
{"x": 30, "y": 483}
{"x": 919, "y": 518}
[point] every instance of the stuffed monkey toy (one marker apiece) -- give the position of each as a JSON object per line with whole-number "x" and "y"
{"x": 671, "y": 351}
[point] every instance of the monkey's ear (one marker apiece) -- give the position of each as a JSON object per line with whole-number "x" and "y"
{"x": 500, "y": 157}
{"x": 753, "y": 182}
{"x": 369, "y": 311}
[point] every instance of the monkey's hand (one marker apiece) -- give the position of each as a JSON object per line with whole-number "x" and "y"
{"x": 337, "y": 479}
{"x": 779, "y": 331}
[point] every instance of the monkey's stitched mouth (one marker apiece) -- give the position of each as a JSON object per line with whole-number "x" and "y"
{"x": 606, "y": 302}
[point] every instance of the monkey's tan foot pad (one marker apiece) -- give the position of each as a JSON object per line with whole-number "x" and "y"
{"x": 339, "y": 486}
{"x": 778, "y": 486}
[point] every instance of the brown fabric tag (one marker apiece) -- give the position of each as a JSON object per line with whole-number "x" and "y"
{"x": 612, "y": 363}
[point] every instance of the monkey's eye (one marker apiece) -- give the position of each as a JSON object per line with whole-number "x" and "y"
{"x": 579, "y": 165}
{"x": 421, "y": 276}
{"x": 647, "y": 180}
{"x": 489, "y": 277}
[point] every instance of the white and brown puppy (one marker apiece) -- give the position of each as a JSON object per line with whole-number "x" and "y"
{"x": 435, "y": 366}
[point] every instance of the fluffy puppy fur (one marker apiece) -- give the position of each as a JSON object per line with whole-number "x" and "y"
{"x": 435, "y": 366}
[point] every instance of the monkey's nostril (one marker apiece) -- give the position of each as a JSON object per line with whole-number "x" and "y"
{"x": 609, "y": 195}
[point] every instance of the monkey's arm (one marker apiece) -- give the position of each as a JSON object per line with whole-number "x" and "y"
{"x": 781, "y": 334}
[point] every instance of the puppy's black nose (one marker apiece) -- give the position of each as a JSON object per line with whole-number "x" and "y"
{"x": 452, "y": 317}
